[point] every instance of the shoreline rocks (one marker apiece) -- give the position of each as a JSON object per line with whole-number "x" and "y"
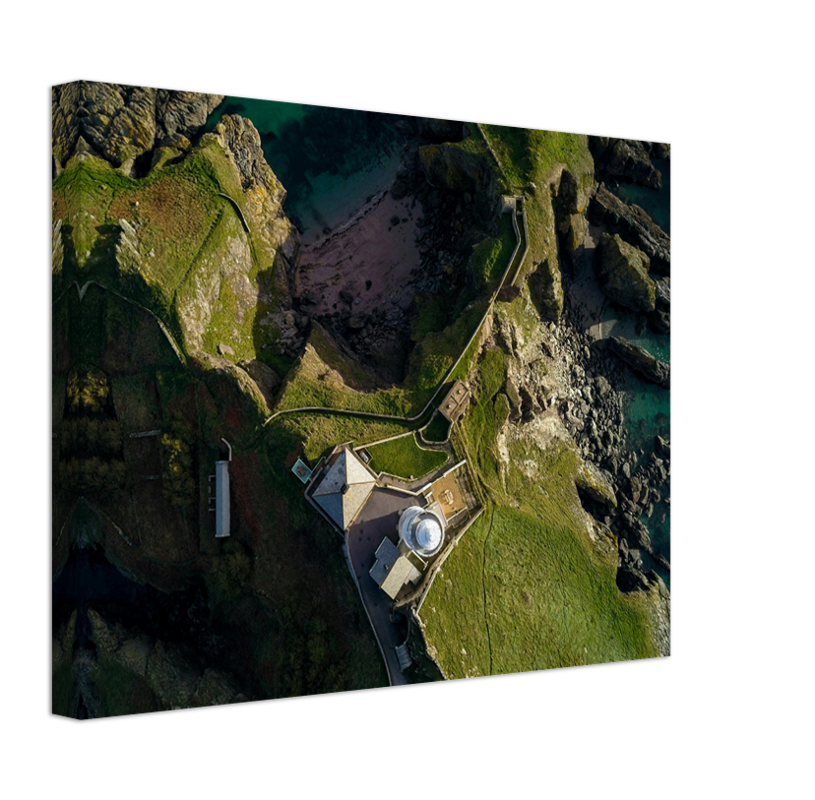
{"x": 634, "y": 225}
{"x": 625, "y": 159}
{"x": 641, "y": 361}
{"x": 120, "y": 123}
{"x": 622, "y": 272}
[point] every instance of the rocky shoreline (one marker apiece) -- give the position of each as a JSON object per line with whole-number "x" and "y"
{"x": 623, "y": 485}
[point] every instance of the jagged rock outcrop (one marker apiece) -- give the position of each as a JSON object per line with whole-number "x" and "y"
{"x": 57, "y": 249}
{"x": 220, "y": 272}
{"x": 634, "y": 225}
{"x": 265, "y": 377}
{"x": 660, "y": 150}
{"x": 263, "y": 193}
{"x": 453, "y": 169}
{"x": 120, "y": 122}
{"x": 662, "y": 447}
{"x": 660, "y": 318}
{"x": 596, "y": 483}
{"x": 546, "y": 288}
{"x": 625, "y": 159}
{"x": 660, "y": 614}
{"x": 438, "y": 131}
{"x": 128, "y": 257}
{"x": 571, "y": 198}
{"x": 641, "y": 361}
{"x": 228, "y": 270}
{"x": 622, "y": 272}
{"x": 214, "y": 366}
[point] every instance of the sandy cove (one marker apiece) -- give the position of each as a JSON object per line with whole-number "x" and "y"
{"x": 372, "y": 259}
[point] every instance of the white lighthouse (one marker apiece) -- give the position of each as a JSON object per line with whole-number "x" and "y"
{"x": 422, "y": 530}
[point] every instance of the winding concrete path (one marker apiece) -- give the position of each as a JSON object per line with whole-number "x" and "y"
{"x": 416, "y": 417}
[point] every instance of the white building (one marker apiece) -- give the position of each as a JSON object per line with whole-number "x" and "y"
{"x": 422, "y": 529}
{"x": 222, "y": 515}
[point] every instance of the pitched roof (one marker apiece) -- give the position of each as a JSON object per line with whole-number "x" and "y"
{"x": 345, "y": 488}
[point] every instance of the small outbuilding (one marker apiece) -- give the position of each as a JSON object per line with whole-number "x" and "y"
{"x": 302, "y": 470}
{"x": 222, "y": 515}
{"x": 392, "y": 569}
{"x": 453, "y": 405}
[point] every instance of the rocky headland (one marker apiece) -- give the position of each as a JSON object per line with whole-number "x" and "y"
{"x": 123, "y": 124}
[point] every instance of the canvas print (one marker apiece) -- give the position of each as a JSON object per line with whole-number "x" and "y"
{"x": 345, "y": 400}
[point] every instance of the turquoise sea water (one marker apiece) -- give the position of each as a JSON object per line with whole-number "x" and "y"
{"x": 657, "y": 204}
{"x": 648, "y": 407}
{"x": 330, "y": 160}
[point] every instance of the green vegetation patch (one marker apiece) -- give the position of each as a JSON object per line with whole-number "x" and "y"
{"x": 317, "y": 433}
{"x": 184, "y": 231}
{"x": 453, "y": 612}
{"x": 490, "y": 257}
{"x": 526, "y": 588}
{"x": 404, "y": 458}
{"x": 433, "y": 314}
{"x": 311, "y": 634}
{"x": 478, "y": 429}
{"x": 438, "y": 430}
{"x": 527, "y": 154}
{"x": 532, "y": 156}
{"x": 437, "y": 352}
{"x": 512, "y": 147}
{"x": 518, "y": 595}
{"x": 325, "y": 378}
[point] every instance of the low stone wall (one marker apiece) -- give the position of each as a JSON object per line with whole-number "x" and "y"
{"x": 489, "y": 146}
{"x": 417, "y": 597}
{"x": 525, "y": 238}
{"x": 382, "y": 441}
{"x": 238, "y": 210}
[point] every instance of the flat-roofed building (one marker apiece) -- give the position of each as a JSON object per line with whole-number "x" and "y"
{"x": 456, "y": 401}
{"x": 392, "y": 569}
{"x": 222, "y": 510}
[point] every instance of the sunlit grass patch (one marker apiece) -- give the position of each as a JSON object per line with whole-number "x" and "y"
{"x": 404, "y": 458}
